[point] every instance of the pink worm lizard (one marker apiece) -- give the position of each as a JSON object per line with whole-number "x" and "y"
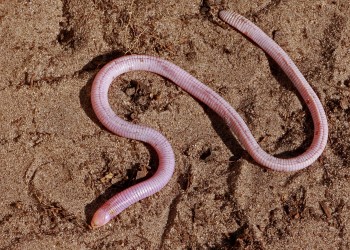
{"x": 115, "y": 124}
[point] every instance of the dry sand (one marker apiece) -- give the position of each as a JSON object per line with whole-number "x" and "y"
{"x": 58, "y": 164}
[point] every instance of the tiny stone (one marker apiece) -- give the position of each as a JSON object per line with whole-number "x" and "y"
{"x": 344, "y": 103}
{"x": 130, "y": 91}
{"x": 326, "y": 209}
{"x": 107, "y": 177}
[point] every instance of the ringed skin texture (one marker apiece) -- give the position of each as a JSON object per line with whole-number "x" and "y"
{"x": 100, "y": 104}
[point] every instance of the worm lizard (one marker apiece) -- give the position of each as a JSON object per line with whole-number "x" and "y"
{"x": 100, "y": 104}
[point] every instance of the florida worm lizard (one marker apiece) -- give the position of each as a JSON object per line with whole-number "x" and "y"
{"x": 100, "y": 104}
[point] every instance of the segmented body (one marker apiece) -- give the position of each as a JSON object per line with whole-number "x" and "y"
{"x": 115, "y": 124}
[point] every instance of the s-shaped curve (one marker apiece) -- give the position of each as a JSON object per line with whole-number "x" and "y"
{"x": 100, "y": 104}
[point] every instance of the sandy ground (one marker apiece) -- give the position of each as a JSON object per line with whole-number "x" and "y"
{"x": 58, "y": 164}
